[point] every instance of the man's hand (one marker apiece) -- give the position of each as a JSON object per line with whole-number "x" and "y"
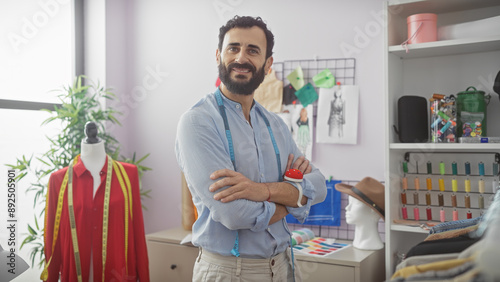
{"x": 240, "y": 187}
{"x": 301, "y": 164}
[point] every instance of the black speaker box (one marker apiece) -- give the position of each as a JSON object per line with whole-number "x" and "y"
{"x": 413, "y": 121}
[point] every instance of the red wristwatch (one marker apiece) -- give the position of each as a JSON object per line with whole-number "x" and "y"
{"x": 296, "y": 176}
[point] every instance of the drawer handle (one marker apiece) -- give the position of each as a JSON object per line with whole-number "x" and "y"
{"x": 173, "y": 266}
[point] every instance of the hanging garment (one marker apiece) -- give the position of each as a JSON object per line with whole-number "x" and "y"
{"x": 126, "y": 258}
{"x": 270, "y": 93}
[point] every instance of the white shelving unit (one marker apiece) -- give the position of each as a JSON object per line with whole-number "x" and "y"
{"x": 444, "y": 67}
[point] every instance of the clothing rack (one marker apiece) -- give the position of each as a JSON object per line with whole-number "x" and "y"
{"x": 488, "y": 257}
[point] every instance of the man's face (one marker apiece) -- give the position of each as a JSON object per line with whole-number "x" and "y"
{"x": 242, "y": 60}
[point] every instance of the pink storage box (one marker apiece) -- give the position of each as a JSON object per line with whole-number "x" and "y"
{"x": 422, "y": 28}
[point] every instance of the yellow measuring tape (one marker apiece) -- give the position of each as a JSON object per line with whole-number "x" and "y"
{"x": 127, "y": 194}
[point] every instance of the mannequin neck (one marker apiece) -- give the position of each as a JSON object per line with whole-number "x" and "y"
{"x": 93, "y": 156}
{"x": 366, "y": 236}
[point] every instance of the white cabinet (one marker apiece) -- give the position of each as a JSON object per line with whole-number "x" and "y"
{"x": 444, "y": 67}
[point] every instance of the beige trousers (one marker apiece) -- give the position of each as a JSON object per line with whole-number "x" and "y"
{"x": 210, "y": 267}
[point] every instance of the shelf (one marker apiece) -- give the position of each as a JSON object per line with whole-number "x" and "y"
{"x": 445, "y": 146}
{"x": 406, "y": 228}
{"x": 447, "y": 47}
{"x": 406, "y": 8}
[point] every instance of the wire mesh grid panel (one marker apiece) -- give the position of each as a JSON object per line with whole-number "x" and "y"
{"x": 343, "y": 69}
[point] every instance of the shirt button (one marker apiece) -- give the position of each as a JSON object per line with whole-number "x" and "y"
{"x": 272, "y": 262}
{"x": 102, "y": 172}
{"x": 237, "y": 106}
{"x": 95, "y": 227}
{"x": 269, "y": 229}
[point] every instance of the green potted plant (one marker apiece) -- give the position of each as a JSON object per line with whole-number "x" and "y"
{"x": 79, "y": 104}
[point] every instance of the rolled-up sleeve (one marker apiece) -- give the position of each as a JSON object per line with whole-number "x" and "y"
{"x": 314, "y": 188}
{"x": 201, "y": 149}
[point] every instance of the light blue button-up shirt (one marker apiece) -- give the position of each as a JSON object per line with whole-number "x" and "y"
{"x": 201, "y": 148}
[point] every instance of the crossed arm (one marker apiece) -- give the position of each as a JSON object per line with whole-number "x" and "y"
{"x": 282, "y": 194}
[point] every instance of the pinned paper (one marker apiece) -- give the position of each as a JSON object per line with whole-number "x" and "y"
{"x": 270, "y": 93}
{"x": 296, "y": 78}
{"x": 307, "y": 95}
{"x": 324, "y": 79}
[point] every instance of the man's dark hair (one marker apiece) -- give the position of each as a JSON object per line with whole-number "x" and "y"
{"x": 248, "y": 22}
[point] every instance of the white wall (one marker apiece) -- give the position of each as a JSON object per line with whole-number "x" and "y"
{"x": 171, "y": 64}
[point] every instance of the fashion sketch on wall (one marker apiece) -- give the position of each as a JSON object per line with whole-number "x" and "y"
{"x": 300, "y": 123}
{"x": 337, "y": 120}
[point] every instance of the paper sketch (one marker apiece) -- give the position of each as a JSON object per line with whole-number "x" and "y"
{"x": 300, "y": 122}
{"x": 337, "y": 120}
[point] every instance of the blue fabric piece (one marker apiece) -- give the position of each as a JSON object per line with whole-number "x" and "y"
{"x": 453, "y": 225}
{"x": 325, "y": 213}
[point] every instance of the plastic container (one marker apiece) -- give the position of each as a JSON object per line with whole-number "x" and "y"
{"x": 471, "y": 112}
{"x": 422, "y": 28}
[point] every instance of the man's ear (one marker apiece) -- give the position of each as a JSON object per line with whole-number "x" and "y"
{"x": 269, "y": 63}
{"x": 217, "y": 56}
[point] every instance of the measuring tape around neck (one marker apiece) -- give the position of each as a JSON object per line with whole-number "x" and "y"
{"x": 127, "y": 193}
{"x": 222, "y": 110}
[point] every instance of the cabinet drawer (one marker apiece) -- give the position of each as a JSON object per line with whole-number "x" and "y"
{"x": 170, "y": 262}
{"x": 315, "y": 271}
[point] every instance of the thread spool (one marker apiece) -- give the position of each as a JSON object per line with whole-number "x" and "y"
{"x": 442, "y": 168}
{"x": 441, "y": 185}
{"x": 417, "y": 183}
{"x": 405, "y": 183}
{"x": 404, "y": 212}
{"x": 441, "y": 200}
{"x": 481, "y": 186}
{"x": 403, "y": 198}
{"x": 467, "y": 168}
{"x": 495, "y": 168}
{"x": 428, "y": 199}
{"x": 481, "y": 201}
{"x": 415, "y": 198}
{"x": 405, "y": 167}
{"x": 467, "y": 185}
{"x": 429, "y": 213}
{"x": 454, "y": 200}
{"x": 429, "y": 183}
{"x": 429, "y": 167}
{"x": 442, "y": 215}
{"x": 454, "y": 168}
{"x": 416, "y": 213}
{"x": 454, "y": 185}
{"x": 467, "y": 201}
{"x": 455, "y": 215}
{"x": 481, "y": 168}
{"x": 469, "y": 215}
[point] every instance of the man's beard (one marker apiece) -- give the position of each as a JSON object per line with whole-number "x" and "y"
{"x": 242, "y": 88}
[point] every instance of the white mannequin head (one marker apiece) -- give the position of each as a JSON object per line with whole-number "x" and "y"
{"x": 366, "y": 236}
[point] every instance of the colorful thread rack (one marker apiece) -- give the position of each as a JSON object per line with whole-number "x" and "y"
{"x": 447, "y": 190}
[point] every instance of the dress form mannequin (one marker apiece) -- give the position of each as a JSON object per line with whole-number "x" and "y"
{"x": 93, "y": 154}
{"x": 366, "y": 236}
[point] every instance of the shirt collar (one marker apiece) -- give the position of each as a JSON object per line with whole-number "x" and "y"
{"x": 79, "y": 168}
{"x": 233, "y": 104}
